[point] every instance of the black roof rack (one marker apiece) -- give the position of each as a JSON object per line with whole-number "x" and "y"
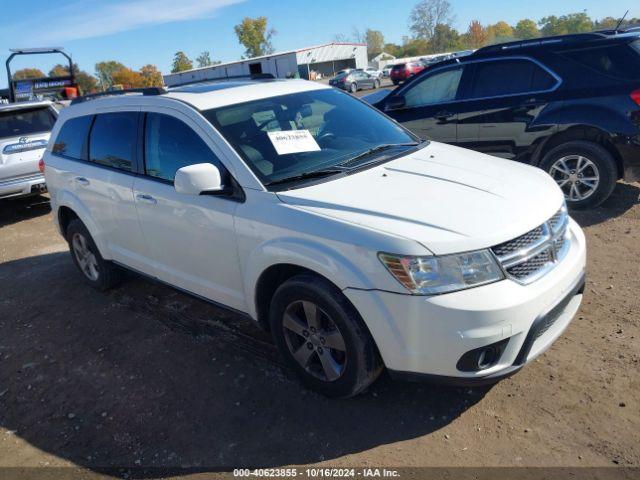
{"x": 538, "y": 42}
{"x": 147, "y": 91}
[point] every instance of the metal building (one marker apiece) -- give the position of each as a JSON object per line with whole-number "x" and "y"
{"x": 304, "y": 63}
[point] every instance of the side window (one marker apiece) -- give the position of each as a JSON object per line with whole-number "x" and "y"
{"x": 170, "y": 144}
{"x": 437, "y": 88}
{"x": 71, "y": 138}
{"x": 509, "y": 77}
{"x": 113, "y": 139}
{"x": 620, "y": 61}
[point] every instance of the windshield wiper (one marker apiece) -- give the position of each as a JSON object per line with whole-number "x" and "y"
{"x": 307, "y": 175}
{"x": 371, "y": 151}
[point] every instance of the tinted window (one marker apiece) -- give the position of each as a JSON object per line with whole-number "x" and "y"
{"x": 437, "y": 88}
{"x": 71, "y": 138}
{"x": 620, "y": 61}
{"x": 25, "y": 122}
{"x": 509, "y": 77}
{"x": 170, "y": 144}
{"x": 113, "y": 139}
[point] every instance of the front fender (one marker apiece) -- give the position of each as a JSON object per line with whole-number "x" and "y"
{"x": 305, "y": 253}
{"x": 65, "y": 198}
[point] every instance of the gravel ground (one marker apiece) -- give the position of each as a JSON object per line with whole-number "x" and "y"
{"x": 146, "y": 376}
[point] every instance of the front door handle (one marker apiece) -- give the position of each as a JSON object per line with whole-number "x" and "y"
{"x": 83, "y": 182}
{"x": 144, "y": 198}
{"x": 443, "y": 115}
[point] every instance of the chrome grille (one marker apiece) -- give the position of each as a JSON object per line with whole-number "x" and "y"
{"x": 530, "y": 256}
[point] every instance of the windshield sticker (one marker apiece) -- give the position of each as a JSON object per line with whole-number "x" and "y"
{"x": 293, "y": 141}
{"x": 24, "y": 145}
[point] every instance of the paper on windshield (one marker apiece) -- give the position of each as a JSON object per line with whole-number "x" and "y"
{"x": 293, "y": 141}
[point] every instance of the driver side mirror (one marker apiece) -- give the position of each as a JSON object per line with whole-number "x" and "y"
{"x": 396, "y": 102}
{"x": 198, "y": 179}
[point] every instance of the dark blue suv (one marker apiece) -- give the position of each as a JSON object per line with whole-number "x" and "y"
{"x": 568, "y": 104}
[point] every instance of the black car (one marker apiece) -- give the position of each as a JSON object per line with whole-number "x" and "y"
{"x": 568, "y": 104}
{"x": 354, "y": 80}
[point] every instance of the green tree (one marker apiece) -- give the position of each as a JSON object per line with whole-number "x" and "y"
{"x": 375, "y": 42}
{"x": 415, "y": 47}
{"x": 254, "y": 35}
{"x": 526, "y": 29}
{"x": 27, "y": 73}
{"x": 565, "y": 24}
{"x": 105, "y": 71}
{"x": 426, "y": 15}
{"x": 394, "y": 49}
{"x": 445, "y": 39}
{"x": 204, "y": 59}
{"x": 181, "y": 62}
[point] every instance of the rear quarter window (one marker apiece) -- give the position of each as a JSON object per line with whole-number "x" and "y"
{"x": 618, "y": 61}
{"x": 16, "y": 123}
{"x": 72, "y": 136}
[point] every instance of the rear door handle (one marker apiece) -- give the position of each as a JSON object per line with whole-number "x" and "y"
{"x": 144, "y": 198}
{"x": 83, "y": 182}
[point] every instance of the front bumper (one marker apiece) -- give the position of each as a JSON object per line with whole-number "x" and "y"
{"x": 24, "y": 185}
{"x": 427, "y": 336}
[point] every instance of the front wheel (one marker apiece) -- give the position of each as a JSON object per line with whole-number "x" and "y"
{"x": 322, "y": 337}
{"x": 585, "y": 171}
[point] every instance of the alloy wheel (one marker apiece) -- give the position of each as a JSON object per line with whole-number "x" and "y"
{"x": 577, "y": 176}
{"x": 86, "y": 259}
{"x": 314, "y": 340}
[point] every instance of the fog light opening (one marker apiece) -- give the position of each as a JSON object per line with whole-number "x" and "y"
{"x": 482, "y": 358}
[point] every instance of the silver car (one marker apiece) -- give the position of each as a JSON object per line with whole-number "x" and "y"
{"x": 24, "y": 133}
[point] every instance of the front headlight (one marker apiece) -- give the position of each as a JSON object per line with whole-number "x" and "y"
{"x": 448, "y": 273}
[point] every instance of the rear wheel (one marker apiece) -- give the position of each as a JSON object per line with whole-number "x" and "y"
{"x": 585, "y": 171}
{"x": 376, "y": 84}
{"x": 353, "y": 88}
{"x": 322, "y": 337}
{"x": 97, "y": 272}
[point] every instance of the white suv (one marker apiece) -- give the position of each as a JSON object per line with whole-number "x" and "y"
{"x": 355, "y": 243}
{"x": 24, "y": 133}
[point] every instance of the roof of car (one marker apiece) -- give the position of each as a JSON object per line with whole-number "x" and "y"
{"x": 205, "y": 95}
{"x": 5, "y": 107}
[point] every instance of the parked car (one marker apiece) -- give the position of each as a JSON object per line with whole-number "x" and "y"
{"x": 354, "y": 80}
{"x": 402, "y": 72}
{"x": 296, "y": 204}
{"x": 375, "y": 73}
{"x": 568, "y": 104}
{"x": 24, "y": 132}
{"x": 386, "y": 71}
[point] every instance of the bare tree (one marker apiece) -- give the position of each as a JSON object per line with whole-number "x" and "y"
{"x": 426, "y": 15}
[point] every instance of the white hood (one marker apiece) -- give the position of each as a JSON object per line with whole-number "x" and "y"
{"x": 447, "y": 198}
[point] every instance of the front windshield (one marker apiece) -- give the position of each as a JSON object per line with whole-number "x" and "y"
{"x": 291, "y": 135}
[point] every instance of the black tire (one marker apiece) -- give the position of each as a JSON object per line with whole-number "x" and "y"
{"x": 108, "y": 274}
{"x": 353, "y": 88}
{"x": 376, "y": 84}
{"x": 360, "y": 362}
{"x": 604, "y": 162}
{"x": 395, "y": 82}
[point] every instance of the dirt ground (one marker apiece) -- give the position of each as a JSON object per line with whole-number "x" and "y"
{"x": 146, "y": 376}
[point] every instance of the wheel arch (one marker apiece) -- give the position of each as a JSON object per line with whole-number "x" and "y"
{"x": 69, "y": 208}
{"x": 587, "y": 133}
{"x": 275, "y": 262}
